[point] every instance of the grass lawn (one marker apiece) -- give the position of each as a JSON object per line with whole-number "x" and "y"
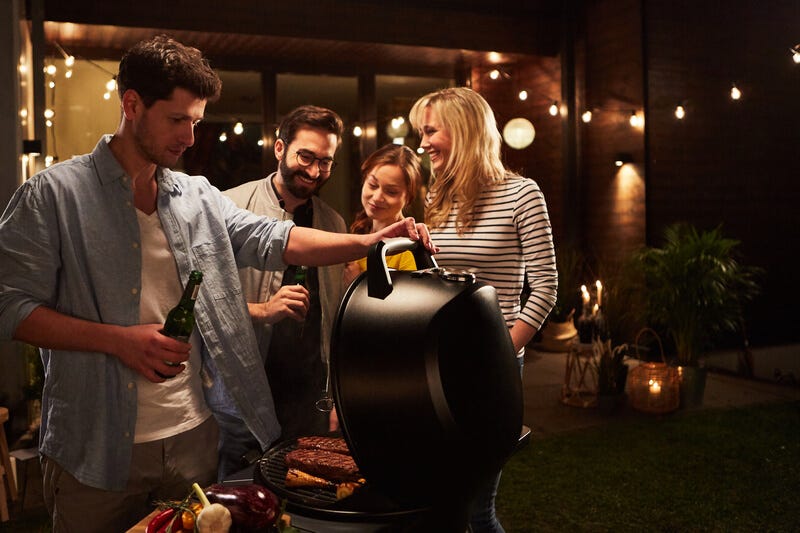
{"x": 709, "y": 470}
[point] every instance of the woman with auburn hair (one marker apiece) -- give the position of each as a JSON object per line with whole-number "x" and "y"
{"x": 390, "y": 176}
{"x": 487, "y": 220}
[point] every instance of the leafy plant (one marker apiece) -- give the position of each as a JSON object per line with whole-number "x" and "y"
{"x": 570, "y": 264}
{"x": 610, "y": 365}
{"x": 695, "y": 288}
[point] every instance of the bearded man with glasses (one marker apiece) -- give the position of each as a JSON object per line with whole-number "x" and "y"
{"x": 293, "y": 321}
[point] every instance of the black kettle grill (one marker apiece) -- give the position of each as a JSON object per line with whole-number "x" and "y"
{"x": 428, "y": 395}
{"x": 426, "y": 382}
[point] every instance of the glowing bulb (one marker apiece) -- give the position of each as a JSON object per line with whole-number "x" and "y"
{"x": 50, "y": 69}
{"x": 494, "y": 57}
{"x": 238, "y": 128}
{"x": 223, "y": 137}
{"x": 680, "y": 112}
{"x": 523, "y": 95}
{"x": 635, "y": 120}
{"x": 618, "y": 162}
{"x": 111, "y": 85}
{"x": 49, "y": 113}
{"x": 106, "y": 95}
{"x": 52, "y": 84}
{"x": 23, "y": 113}
{"x": 48, "y": 123}
{"x": 735, "y": 92}
{"x": 796, "y": 56}
{"x": 397, "y": 122}
{"x": 420, "y": 150}
{"x": 261, "y": 142}
{"x": 48, "y": 160}
{"x": 357, "y": 131}
{"x": 23, "y": 68}
{"x": 553, "y": 109}
{"x": 494, "y": 74}
{"x": 587, "y": 116}
{"x": 68, "y": 74}
{"x": 69, "y": 61}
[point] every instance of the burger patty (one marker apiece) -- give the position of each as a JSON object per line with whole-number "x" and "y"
{"x": 329, "y": 465}
{"x": 330, "y": 444}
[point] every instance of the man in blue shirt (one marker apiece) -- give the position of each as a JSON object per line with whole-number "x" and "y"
{"x": 93, "y": 254}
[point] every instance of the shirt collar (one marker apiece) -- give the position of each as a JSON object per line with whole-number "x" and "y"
{"x": 110, "y": 170}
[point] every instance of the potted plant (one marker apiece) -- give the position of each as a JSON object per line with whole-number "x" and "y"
{"x": 694, "y": 290}
{"x": 612, "y": 373}
{"x": 559, "y": 328}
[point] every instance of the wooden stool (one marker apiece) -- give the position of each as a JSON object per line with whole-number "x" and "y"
{"x": 580, "y": 378}
{"x": 6, "y": 474}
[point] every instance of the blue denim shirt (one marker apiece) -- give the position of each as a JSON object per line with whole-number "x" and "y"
{"x": 69, "y": 240}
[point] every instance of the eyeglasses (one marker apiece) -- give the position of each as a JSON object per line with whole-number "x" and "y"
{"x": 306, "y": 159}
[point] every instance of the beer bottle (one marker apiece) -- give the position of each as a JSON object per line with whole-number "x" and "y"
{"x": 300, "y": 275}
{"x": 180, "y": 320}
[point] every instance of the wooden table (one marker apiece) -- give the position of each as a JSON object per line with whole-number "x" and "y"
{"x": 140, "y": 527}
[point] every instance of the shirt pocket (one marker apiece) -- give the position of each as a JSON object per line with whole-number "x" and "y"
{"x": 220, "y": 275}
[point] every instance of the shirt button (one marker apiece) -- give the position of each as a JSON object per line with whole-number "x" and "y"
{"x": 134, "y": 290}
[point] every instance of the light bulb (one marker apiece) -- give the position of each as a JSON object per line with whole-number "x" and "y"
{"x": 357, "y": 131}
{"x": 52, "y": 84}
{"x": 50, "y": 69}
{"x": 553, "y": 109}
{"x": 69, "y": 61}
{"x": 238, "y": 128}
{"x": 111, "y": 85}
{"x": 223, "y": 137}
{"x": 523, "y": 95}
{"x": 260, "y": 142}
{"x": 68, "y": 74}
{"x": 49, "y": 113}
{"x": 796, "y": 56}
{"x": 106, "y": 95}
{"x": 735, "y": 92}
{"x": 494, "y": 74}
{"x": 587, "y": 116}
{"x": 680, "y": 112}
{"x": 420, "y": 150}
{"x": 48, "y": 160}
{"x": 48, "y": 123}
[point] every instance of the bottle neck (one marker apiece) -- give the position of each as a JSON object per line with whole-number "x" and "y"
{"x": 190, "y": 294}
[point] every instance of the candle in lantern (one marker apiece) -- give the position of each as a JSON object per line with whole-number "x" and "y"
{"x": 599, "y": 292}
{"x": 655, "y": 387}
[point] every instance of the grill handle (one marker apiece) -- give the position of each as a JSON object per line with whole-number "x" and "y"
{"x": 379, "y": 282}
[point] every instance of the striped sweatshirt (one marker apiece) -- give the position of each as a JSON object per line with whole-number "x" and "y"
{"x": 510, "y": 238}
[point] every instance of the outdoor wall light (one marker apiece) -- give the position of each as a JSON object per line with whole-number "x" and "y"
{"x": 32, "y": 146}
{"x": 623, "y": 158}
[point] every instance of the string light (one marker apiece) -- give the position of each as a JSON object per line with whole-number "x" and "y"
{"x": 50, "y": 70}
{"x": 680, "y": 112}
{"x": 735, "y": 92}
{"x": 223, "y": 137}
{"x": 553, "y": 108}
{"x": 238, "y": 128}
{"x": 796, "y": 53}
{"x": 636, "y": 121}
{"x": 357, "y": 131}
{"x": 523, "y": 95}
{"x": 586, "y": 116}
{"x": 494, "y": 74}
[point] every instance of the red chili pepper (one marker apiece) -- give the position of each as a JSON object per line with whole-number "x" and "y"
{"x": 161, "y": 521}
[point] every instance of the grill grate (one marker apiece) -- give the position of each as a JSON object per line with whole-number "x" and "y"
{"x": 272, "y": 468}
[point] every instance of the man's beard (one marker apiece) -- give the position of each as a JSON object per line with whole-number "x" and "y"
{"x": 291, "y": 177}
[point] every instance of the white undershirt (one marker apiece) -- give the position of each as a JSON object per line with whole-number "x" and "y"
{"x": 176, "y": 405}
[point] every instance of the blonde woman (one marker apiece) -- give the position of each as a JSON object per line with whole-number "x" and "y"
{"x": 390, "y": 178}
{"x": 487, "y": 220}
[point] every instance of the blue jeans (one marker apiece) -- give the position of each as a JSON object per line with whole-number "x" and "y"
{"x": 483, "y": 518}
{"x": 235, "y": 440}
